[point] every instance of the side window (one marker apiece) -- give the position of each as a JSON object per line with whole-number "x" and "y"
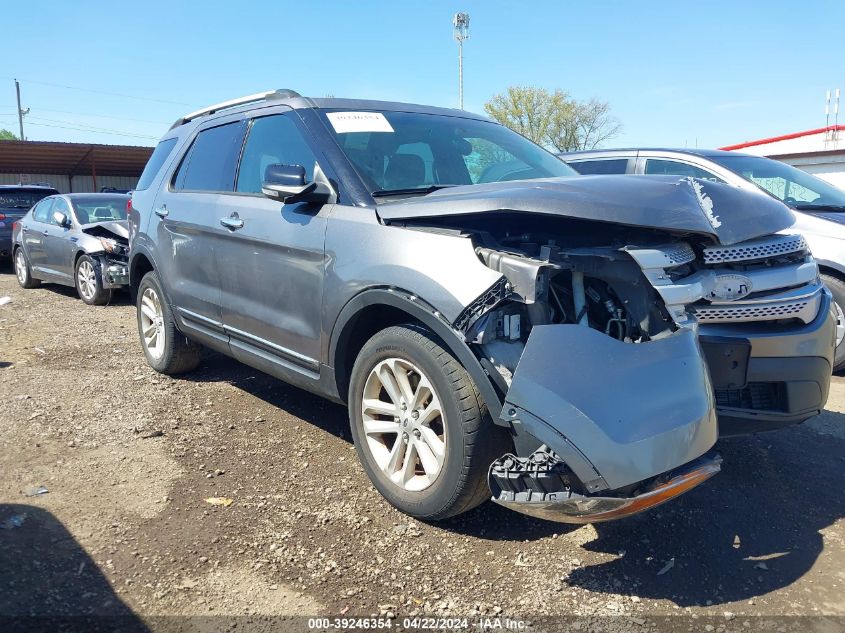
{"x": 159, "y": 155}
{"x": 601, "y": 166}
{"x": 42, "y": 210}
{"x": 61, "y": 206}
{"x": 272, "y": 140}
{"x": 657, "y": 166}
{"x": 210, "y": 163}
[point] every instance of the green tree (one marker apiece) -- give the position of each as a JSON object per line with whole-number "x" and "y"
{"x": 554, "y": 119}
{"x": 6, "y": 135}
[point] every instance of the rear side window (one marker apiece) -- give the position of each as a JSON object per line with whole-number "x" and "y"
{"x": 212, "y": 159}
{"x": 159, "y": 155}
{"x": 656, "y": 166}
{"x": 272, "y": 140}
{"x": 42, "y": 210}
{"x": 605, "y": 166}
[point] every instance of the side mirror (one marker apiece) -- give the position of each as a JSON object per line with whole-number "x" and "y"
{"x": 61, "y": 219}
{"x": 288, "y": 184}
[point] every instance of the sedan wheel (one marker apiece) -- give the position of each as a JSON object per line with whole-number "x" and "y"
{"x": 152, "y": 323}
{"x": 86, "y": 280}
{"x": 22, "y": 270}
{"x": 20, "y": 267}
{"x": 403, "y": 424}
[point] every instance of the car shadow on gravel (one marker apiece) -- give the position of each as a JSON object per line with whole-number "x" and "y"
{"x": 752, "y": 529}
{"x": 49, "y": 582}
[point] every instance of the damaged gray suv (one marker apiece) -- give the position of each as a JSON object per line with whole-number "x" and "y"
{"x": 568, "y": 346}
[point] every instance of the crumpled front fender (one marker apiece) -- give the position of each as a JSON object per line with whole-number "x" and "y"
{"x": 617, "y": 413}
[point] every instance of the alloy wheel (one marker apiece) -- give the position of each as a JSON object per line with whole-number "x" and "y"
{"x": 404, "y": 424}
{"x": 152, "y": 323}
{"x": 86, "y": 280}
{"x": 20, "y": 266}
{"x": 840, "y": 324}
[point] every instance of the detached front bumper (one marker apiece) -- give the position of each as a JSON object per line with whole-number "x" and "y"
{"x": 618, "y": 415}
{"x": 767, "y": 376}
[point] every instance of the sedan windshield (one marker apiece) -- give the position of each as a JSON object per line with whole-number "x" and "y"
{"x": 99, "y": 208}
{"x": 410, "y": 153}
{"x": 796, "y": 188}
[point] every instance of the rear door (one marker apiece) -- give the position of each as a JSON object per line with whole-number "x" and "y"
{"x": 185, "y": 222}
{"x": 272, "y": 258}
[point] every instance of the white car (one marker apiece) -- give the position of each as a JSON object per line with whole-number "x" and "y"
{"x": 818, "y": 206}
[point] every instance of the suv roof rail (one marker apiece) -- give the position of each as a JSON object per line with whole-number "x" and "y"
{"x": 283, "y": 93}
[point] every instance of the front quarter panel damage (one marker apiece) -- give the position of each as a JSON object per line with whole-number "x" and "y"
{"x": 633, "y": 410}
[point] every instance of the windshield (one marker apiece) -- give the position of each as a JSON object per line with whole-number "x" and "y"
{"x": 796, "y": 188}
{"x": 407, "y": 153}
{"x": 22, "y": 199}
{"x": 102, "y": 208}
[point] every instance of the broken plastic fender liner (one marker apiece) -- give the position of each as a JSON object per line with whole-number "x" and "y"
{"x": 633, "y": 410}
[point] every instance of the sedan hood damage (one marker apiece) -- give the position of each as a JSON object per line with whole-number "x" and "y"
{"x": 110, "y": 229}
{"x": 680, "y": 205}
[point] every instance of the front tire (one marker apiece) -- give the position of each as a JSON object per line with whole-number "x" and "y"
{"x": 420, "y": 427}
{"x": 165, "y": 347}
{"x": 89, "y": 282}
{"x": 23, "y": 272}
{"x": 837, "y": 289}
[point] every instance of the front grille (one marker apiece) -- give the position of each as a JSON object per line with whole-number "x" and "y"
{"x": 679, "y": 254}
{"x": 755, "y": 249}
{"x": 804, "y": 309}
{"x": 758, "y": 396}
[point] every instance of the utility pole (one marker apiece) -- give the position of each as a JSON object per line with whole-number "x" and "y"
{"x": 21, "y": 111}
{"x": 461, "y": 24}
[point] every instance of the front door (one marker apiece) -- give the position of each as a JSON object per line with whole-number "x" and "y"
{"x": 58, "y": 247}
{"x": 272, "y": 258}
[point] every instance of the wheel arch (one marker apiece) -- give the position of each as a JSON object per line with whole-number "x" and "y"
{"x": 377, "y": 308}
{"x": 139, "y": 265}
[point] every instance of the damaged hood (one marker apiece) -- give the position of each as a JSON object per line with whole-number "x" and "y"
{"x": 109, "y": 228}
{"x": 686, "y": 205}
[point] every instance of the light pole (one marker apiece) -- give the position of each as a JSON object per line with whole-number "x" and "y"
{"x": 461, "y": 24}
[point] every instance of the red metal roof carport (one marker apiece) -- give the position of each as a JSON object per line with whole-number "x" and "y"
{"x": 72, "y": 159}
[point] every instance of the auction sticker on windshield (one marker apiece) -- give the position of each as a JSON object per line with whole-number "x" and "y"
{"x": 345, "y": 122}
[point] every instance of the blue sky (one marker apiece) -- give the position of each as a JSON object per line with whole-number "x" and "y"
{"x": 675, "y": 73}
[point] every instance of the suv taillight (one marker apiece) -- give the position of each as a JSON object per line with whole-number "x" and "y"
{"x": 2, "y": 216}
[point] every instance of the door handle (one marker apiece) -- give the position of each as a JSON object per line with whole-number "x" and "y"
{"x": 162, "y": 211}
{"x": 233, "y": 222}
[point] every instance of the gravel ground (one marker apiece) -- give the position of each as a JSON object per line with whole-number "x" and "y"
{"x": 129, "y": 458}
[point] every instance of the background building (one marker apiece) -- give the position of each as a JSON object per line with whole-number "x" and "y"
{"x": 72, "y": 167}
{"x": 820, "y": 152}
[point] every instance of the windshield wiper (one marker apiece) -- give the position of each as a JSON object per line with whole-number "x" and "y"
{"x": 820, "y": 207}
{"x": 411, "y": 191}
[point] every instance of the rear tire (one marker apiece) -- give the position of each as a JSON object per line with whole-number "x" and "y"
{"x": 165, "y": 347}
{"x": 837, "y": 289}
{"x": 23, "y": 271}
{"x": 88, "y": 278}
{"x": 398, "y": 442}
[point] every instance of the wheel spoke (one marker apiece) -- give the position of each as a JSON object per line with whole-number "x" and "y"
{"x": 388, "y": 380}
{"x": 409, "y": 463}
{"x": 430, "y": 413}
{"x": 422, "y": 393}
{"x": 397, "y": 451}
{"x": 429, "y": 461}
{"x": 381, "y": 427}
{"x": 401, "y": 375}
{"x": 434, "y": 443}
{"x": 147, "y": 310}
{"x": 380, "y": 407}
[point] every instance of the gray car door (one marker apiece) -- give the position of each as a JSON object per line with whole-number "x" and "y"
{"x": 272, "y": 258}
{"x": 187, "y": 230}
{"x": 58, "y": 247}
{"x": 34, "y": 234}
